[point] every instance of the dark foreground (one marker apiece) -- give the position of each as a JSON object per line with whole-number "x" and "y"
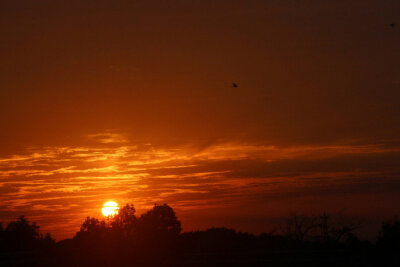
{"x": 155, "y": 239}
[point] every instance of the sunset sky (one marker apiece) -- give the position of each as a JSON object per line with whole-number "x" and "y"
{"x": 132, "y": 101}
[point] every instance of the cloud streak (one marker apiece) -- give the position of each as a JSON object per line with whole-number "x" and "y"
{"x": 73, "y": 182}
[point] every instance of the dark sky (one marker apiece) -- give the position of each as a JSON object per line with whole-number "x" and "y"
{"x": 133, "y": 101}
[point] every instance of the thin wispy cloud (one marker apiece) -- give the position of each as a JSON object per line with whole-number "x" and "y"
{"x": 75, "y": 181}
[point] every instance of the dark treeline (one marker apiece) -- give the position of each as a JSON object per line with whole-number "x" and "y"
{"x": 155, "y": 239}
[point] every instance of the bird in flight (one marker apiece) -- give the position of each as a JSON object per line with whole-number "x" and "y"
{"x": 235, "y": 85}
{"x": 392, "y": 25}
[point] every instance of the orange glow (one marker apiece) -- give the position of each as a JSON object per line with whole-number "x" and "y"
{"x": 110, "y": 208}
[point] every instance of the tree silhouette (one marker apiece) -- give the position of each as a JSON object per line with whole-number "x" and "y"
{"x": 91, "y": 225}
{"x": 161, "y": 221}
{"x": 155, "y": 239}
{"x": 156, "y": 235}
{"x": 388, "y": 243}
{"x": 322, "y": 228}
{"x": 21, "y": 235}
{"x": 125, "y": 238}
{"x": 21, "y": 242}
{"x": 124, "y": 222}
{"x": 298, "y": 227}
{"x": 389, "y": 237}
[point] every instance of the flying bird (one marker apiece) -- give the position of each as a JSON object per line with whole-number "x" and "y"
{"x": 235, "y": 85}
{"x": 392, "y": 25}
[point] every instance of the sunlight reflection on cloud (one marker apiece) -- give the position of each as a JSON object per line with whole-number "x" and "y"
{"x": 75, "y": 180}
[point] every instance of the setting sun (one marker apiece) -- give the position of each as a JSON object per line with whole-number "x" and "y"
{"x": 110, "y": 208}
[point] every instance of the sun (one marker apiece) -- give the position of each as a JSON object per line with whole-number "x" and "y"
{"x": 110, "y": 209}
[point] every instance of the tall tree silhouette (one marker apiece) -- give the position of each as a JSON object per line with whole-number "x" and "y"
{"x": 124, "y": 222}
